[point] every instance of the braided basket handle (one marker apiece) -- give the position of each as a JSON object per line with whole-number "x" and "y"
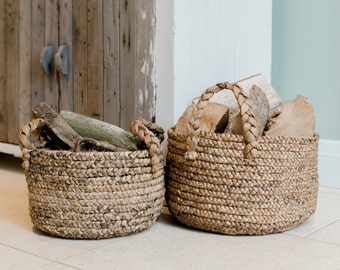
{"x": 143, "y": 129}
{"x": 34, "y": 127}
{"x": 249, "y": 124}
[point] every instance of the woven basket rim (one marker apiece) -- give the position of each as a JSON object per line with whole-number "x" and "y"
{"x": 240, "y": 138}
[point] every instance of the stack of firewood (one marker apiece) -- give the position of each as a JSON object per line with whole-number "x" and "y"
{"x": 274, "y": 117}
{"x": 72, "y": 131}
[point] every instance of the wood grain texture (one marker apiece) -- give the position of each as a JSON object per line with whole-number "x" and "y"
{"x": 25, "y": 59}
{"x": 127, "y": 62}
{"x": 66, "y": 98}
{"x": 80, "y": 74}
{"x": 111, "y": 61}
{"x": 3, "y": 74}
{"x": 37, "y": 41}
{"x": 95, "y": 58}
{"x": 144, "y": 66}
{"x": 12, "y": 49}
{"x": 51, "y": 88}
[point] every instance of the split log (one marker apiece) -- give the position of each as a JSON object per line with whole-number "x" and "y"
{"x": 88, "y": 127}
{"x": 295, "y": 120}
{"x": 227, "y": 97}
{"x": 214, "y": 118}
{"x": 259, "y": 104}
{"x": 58, "y": 133}
{"x": 274, "y": 100}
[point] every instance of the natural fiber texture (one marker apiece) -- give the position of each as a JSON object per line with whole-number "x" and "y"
{"x": 232, "y": 184}
{"x": 93, "y": 195}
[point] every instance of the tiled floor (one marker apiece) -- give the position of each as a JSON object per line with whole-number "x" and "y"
{"x": 166, "y": 245}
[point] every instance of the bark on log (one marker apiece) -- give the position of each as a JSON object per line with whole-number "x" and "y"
{"x": 88, "y": 127}
{"x": 58, "y": 133}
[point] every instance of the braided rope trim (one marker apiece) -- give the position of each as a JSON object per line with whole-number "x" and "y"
{"x": 250, "y": 127}
{"x": 139, "y": 128}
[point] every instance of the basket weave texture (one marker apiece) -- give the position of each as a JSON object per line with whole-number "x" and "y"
{"x": 240, "y": 185}
{"x": 94, "y": 195}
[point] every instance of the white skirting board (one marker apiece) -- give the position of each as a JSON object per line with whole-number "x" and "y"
{"x": 329, "y": 160}
{"x": 329, "y": 163}
{"x": 11, "y": 149}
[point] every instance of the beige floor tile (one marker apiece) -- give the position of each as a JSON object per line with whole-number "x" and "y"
{"x": 329, "y": 234}
{"x": 15, "y": 259}
{"x": 168, "y": 245}
{"x": 57, "y": 266}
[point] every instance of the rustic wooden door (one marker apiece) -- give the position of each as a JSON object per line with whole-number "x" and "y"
{"x": 108, "y": 53}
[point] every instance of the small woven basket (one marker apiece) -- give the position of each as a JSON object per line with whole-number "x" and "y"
{"x": 240, "y": 185}
{"x": 94, "y": 195}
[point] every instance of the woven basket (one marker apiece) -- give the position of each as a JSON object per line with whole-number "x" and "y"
{"x": 240, "y": 185}
{"x": 93, "y": 195}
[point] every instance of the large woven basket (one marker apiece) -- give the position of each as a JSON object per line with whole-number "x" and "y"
{"x": 93, "y": 195}
{"x": 240, "y": 185}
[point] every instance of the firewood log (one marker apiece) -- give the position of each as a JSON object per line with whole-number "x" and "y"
{"x": 260, "y": 106}
{"x": 214, "y": 119}
{"x": 227, "y": 97}
{"x": 92, "y": 128}
{"x": 59, "y": 134}
{"x": 295, "y": 120}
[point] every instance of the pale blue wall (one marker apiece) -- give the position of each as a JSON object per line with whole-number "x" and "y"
{"x": 306, "y": 57}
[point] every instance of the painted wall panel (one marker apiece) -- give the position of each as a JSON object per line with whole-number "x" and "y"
{"x": 210, "y": 41}
{"x": 306, "y": 57}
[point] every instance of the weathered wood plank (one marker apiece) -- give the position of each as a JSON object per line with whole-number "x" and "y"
{"x": 51, "y": 93}
{"x": 66, "y": 98}
{"x": 80, "y": 75}
{"x": 111, "y": 61}
{"x": 25, "y": 62}
{"x": 145, "y": 59}
{"x": 12, "y": 48}
{"x": 95, "y": 59}
{"x": 3, "y": 74}
{"x": 37, "y": 41}
{"x": 127, "y": 62}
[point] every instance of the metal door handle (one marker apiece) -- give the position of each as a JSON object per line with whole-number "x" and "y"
{"x": 46, "y": 57}
{"x": 61, "y": 59}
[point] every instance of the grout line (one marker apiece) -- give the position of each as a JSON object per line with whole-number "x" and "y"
{"x": 60, "y": 263}
{"x": 324, "y": 242}
{"x": 41, "y": 257}
{"x": 317, "y": 230}
{"x": 24, "y": 251}
{"x": 305, "y": 237}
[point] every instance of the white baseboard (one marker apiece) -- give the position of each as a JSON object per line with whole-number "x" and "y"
{"x": 11, "y": 149}
{"x": 329, "y": 163}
